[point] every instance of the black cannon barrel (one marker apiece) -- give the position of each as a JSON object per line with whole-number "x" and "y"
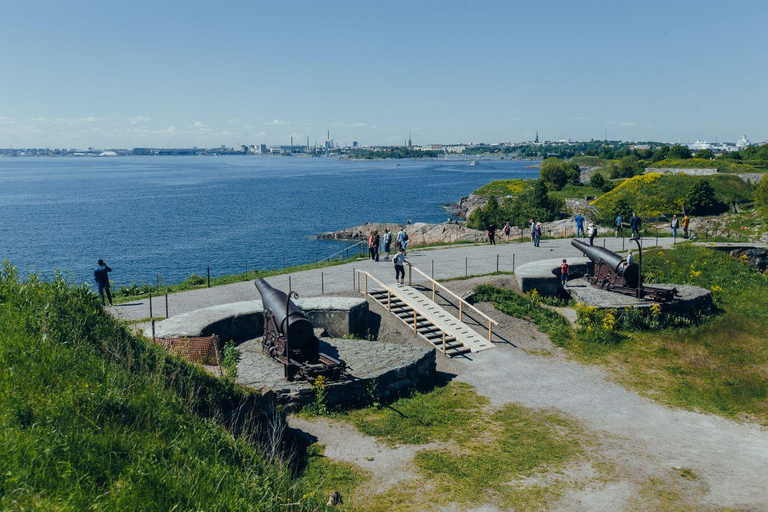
{"x": 299, "y": 327}
{"x": 630, "y": 273}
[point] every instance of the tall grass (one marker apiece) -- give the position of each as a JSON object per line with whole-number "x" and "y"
{"x": 92, "y": 417}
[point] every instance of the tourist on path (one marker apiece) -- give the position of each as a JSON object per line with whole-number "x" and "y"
{"x": 402, "y": 239}
{"x": 533, "y": 232}
{"x": 371, "y": 251}
{"x": 101, "y": 275}
{"x": 579, "y": 225}
{"x": 492, "y": 234}
{"x": 376, "y": 245}
{"x": 674, "y": 225}
{"x": 636, "y": 224}
{"x": 387, "y": 243}
{"x": 399, "y": 262}
{"x": 686, "y": 223}
{"x": 507, "y": 231}
{"x": 619, "y": 226}
{"x": 564, "y": 273}
{"x": 537, "y": 234}
{"x": 592, "y": 233}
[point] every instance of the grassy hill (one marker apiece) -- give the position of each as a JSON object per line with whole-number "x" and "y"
{"x": 503, "y": 188}
{"x": 662, "y": 194}
{"x": 92, "y": 417}
{"x": 700, "y": 163}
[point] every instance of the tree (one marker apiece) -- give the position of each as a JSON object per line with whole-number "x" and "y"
{"x": 628, "y": 167}
{"x": 701, "y": 200}
{"x": 705, "y": 154}
{"x": 679, "y": 152}
{"x": 573, "y": 171}
{"x": 553, "y": 173}
{"x": 597, "y": 180}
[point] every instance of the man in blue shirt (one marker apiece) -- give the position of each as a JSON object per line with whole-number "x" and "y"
{"x": 619, "y": 227}
{"x": 101, "y": 275}
{"x": 579, "y": 225}
{"x": 635, "y": 223}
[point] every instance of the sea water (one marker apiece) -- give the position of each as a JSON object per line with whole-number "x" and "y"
{"x": 175, "y": 216}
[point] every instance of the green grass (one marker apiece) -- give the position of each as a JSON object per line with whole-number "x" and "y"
{"x": 656, "y": 194}
{"x": 503, "y": 188}
{"x": 323, "y": 475}
{"x": 577, "y": 192}
{"x": 92, "y": 417}
{"x": 484, "y": 454}
{"x": 698, "y": 163}
{"x": 716, "y": 366}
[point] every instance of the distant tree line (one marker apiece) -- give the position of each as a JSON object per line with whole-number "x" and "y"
{"x": 396, "y": 153}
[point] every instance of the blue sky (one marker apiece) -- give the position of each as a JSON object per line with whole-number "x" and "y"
{"x": 171, "y": 73}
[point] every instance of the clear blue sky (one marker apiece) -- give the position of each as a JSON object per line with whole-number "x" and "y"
{"x": 172, "y": 73}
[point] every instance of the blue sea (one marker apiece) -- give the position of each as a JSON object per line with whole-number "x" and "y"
{"x": 175, "y": 216}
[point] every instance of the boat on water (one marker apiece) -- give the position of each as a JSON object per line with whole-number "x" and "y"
{"x": 473, "y": 162}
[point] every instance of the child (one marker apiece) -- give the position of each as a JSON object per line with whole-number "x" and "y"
{"x": 399, "y": 262}
{"x": 564, "y": 273}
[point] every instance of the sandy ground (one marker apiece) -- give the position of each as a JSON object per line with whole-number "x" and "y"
{"x": 644, "y": 441}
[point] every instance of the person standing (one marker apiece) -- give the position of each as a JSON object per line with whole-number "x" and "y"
{"x": 579, "y": 225}
{"x": 592, "y": 232}
{"x": 370, "y": 246}
{"x": 686, "y": 223}
{"x": 507, "y": 231}
{"x": 619, "y": 227}
{"x": 537, "y": 234}
{"x": 635, "y": 223}
{"x": 376, "y": 245}
{"x": 492, "y": 234}
{"x": 404, "y": 240}
{"x": 399, "y": 262}
{"x": 101, "y": 275}
{"x": 387, "y": 243}
{"x": 564, "y": 273}
{"x": 533, "y": 232}
{"x": 674, "y": 225}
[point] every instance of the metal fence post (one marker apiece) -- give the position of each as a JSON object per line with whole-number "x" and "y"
{"x": 209, "y": 277}
{"x": 466, "y": 266}
{"x": 433, "y": 269}
{"x": 513, "y": 263}
{"x": 497, "y": 263}
{"x": 290, "y": 285}
{"x": 150, "y": 305}
{"x": 166, "y": 305}
{"x": 354, "y": 285}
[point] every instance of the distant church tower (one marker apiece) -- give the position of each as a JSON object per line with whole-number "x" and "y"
{"x": 536, "y": 140}
{"x": 410, "y": 144}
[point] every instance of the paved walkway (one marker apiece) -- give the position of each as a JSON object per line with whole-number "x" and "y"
{"x": 447, "y": 263}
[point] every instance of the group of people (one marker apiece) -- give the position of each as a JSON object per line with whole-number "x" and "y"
{"x": 375, "y": 241}
{"x": 506, "y": 231}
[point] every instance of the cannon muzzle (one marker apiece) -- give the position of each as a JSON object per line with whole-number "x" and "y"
{"x": 616, "y": 263}
{"x": 299, "y": 327}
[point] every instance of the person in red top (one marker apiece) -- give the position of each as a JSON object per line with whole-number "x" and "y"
{"x": 564, "y": 273}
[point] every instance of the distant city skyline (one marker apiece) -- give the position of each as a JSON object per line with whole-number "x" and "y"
{"x": 174, "y": 74}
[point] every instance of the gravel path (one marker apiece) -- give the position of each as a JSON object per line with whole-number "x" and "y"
{"x": 448, "y": 263}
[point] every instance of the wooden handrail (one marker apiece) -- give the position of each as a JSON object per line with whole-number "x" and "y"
{"x": 358, "y": 272}
{"x": 461, "y": 301}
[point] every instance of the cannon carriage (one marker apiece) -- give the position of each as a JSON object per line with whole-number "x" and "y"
{"x": 290, "y": 339}
{"x": 613, "y": 273}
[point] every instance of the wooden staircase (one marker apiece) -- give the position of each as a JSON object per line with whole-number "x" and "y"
{"x": 448, "y": 344}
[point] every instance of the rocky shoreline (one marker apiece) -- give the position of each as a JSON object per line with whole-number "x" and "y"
{"x": 420, "y": 233}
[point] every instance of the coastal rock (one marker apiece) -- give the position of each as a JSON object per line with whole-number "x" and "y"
{"x": 420, "y": 233}
{"x": 465, "y": 206}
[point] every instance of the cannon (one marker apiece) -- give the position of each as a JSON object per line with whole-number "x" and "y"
{"x": 612, "y": 272}
{"x": 290, "y": 339}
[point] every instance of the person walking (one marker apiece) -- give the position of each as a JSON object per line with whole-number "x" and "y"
{"x": 101, "y": 275}
{"x": 492, "y": 234}
{"x": 507, "y": 230}
{"x": 370, "y": 246}
{"x": 635, "y": 223}
{"x": 537, "y": 234}
{"x": 686, "y": 223}
{"x": 403, "y": 240}
{"x": 674, "y": 225}
{"x": 564, "y": 273}
{"x": 387, "y": 243}
{"x": 592, "y": 233}
{"x": 399, "y": 262}
{"x": 533, "y": 232}
{"x": 579, "y": 225}
{"x": 619, "y": 226}
{"x": 376, "y": 245}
